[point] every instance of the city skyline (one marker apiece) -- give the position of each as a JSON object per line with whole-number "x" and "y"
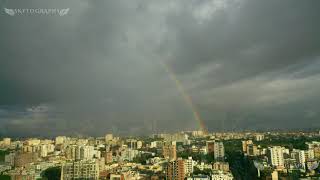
{"x": 177, "y": 156}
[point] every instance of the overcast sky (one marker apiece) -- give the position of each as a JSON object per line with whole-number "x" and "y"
{"x": 247, "y": 65}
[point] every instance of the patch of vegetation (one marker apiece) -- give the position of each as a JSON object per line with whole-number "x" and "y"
{"x": 197, "y": 171}
{"x": 287, "y": 141}
{"x": 2, "y": 154}
{"x": 52, "y": 173}
{"x": 142, "y": 158}
{"x": 241, "y": 167}
{"x": 5, "y": 177}
{"x": 207, "y": 158}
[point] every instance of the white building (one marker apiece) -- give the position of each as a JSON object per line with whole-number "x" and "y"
{"x": 259, "y": 137}
{"x": 115, "y": 177}
{"x": 129, "y": 154}
{"x": 189, "y": 165}
{"x": 313, "y": 144}
{"x": 108, "y": 137}
{"x": 76, "y": 152}
{"x": 302, "y": 159}
{"x": 199, "y": 177}
{"x": 276, "y": 156}
{"x": 139, "y": 144}
{"x": 43, "y": 150}
{"x": 86, "y": 169}
{"x": 310, "y": 154}
{"x": 6, "y": 141}
{"x": 203, "y": 166}
{"x": 274, "y": 175}
{"x": 220, "y": 175}
{"x": 218, "y": 151}
{"x": 197, "y": 133}
{"x": 33, "y": 142}
{"x": 153, "y": 144}
{"x": 299, "y": 156}
{"x": 60, "y": 140}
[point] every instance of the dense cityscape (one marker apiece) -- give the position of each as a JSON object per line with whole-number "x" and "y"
{"x": 191, "y": 155}
{"x": 159, "y": 89}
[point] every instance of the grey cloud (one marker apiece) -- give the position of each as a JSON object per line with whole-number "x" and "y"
{"x": 248, "y": 38}
{"x": 98, "y": 67}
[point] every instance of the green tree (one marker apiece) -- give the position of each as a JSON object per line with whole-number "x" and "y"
{"x": 5, "y": 177}
{"x": 52, "y": 173}
{"x": 142, "y": 158}
{"x": 2, "y": 154}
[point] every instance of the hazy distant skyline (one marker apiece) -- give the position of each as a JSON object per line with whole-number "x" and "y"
{"x": 247, "y": 64}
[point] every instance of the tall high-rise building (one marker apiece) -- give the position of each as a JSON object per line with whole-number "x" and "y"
{"x": 87, "y": 152}
{"x": 252, "y": 150}
{"x": 299, "y": 156}
{"x": 75, "y": 152}
{"x": 169, "y": 151}
{"x": 218, "y": 151}
{"x": 189, "y": 165}
{"x": 310, "y": 154}
{"x": 245, "y": 145}
{"x": 275, "y": 156}
{"x": 85, "y": 169}
{"x": 302, "y": 159}
{"x": 70, "y": 152}
{"x": 210, "y": 147}
{"x": 316, "y": 153}
{"x": 43, "y": 150}
{"x": 175, "y": 170}
{"x": 108, "y": 157}
{"x": 22, "y": 159}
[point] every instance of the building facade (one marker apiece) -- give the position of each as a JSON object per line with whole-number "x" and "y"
{"x": 86, "y": 169}
{"x": 175, "y": 170}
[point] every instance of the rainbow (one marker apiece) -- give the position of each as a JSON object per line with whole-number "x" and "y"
{"x": 186, "y": 97}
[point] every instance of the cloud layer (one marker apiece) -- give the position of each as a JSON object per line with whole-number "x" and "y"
{"x": 246, "y": 64}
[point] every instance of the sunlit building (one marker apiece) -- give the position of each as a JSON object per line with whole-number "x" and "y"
{"x": 108, "y": 137}
{"x": 221, "y": 166}
{"x": 245, "y": 145}
{"x": 218, "y": 151}
{"x": 275, "y": 156}
{"x": 169, "y": 151}
{"x": 60, "y": 140}
{"x": 220, "y": 175}
{"x": 85, "y": 169}
{"x": 175, "y": 170}
{"x": 210, "y": 147}
{"x": 189, "y": 165}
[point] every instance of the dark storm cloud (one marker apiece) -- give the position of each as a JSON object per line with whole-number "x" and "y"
{"x": 242, "y": 50}
{"x": 248, "y": 38}
{"x": 91, "y": 65}
{"x": 249, "y": 63}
